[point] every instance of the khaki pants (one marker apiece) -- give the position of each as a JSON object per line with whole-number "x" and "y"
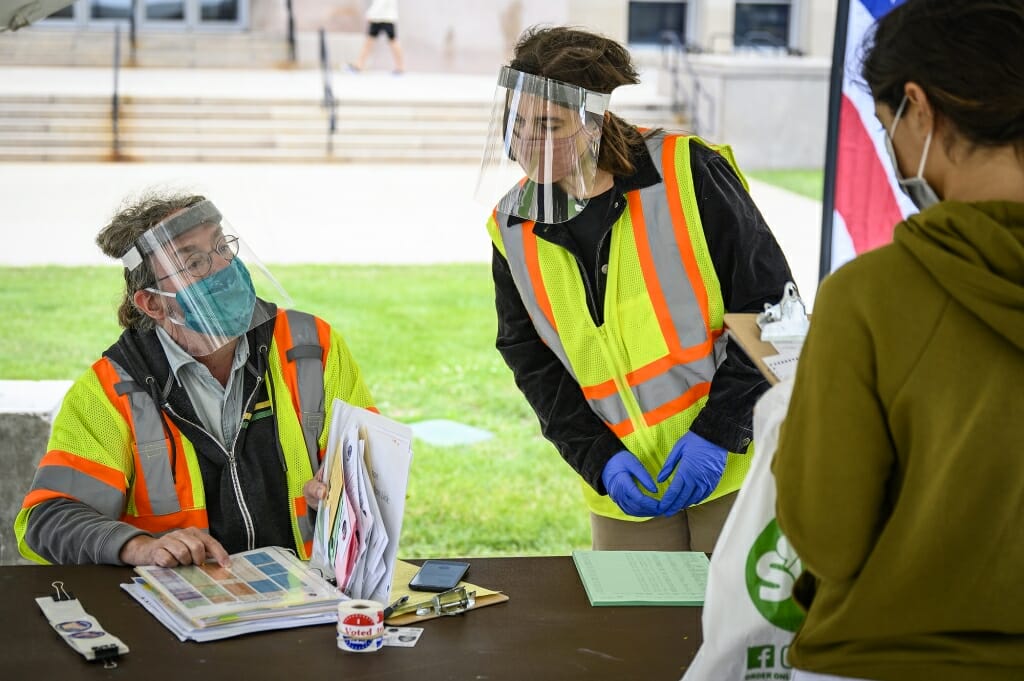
{"x": 692, "y": 529}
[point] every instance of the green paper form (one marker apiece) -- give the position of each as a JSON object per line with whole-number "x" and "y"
{"x": 643, "y": 577}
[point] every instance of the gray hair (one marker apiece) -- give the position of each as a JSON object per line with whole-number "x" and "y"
{"x": 135, "y": 217}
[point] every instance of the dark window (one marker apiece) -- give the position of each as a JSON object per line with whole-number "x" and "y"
{"x": 165, "y": 10}
{"x": 111, "y": 9}
{"x": 647, "y": 20}
{"x": 66, "y": 12}
{"x": 760, "y": 24}
{"x": 219, "y": 10}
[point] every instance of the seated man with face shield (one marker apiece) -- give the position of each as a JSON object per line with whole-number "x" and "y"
{"x": 197, "y": 434}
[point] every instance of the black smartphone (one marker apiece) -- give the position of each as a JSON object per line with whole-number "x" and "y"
{"x": 438, "y": 575}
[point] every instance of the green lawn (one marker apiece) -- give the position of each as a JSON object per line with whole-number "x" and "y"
{"x": 809, "y": 183}
{"x": 424, "y": 337}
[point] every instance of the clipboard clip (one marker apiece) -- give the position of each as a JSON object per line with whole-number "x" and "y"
{"x": 451, "y": 602}
{"x": 786, "y": 320}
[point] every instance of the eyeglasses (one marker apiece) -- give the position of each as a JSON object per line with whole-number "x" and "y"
{"x": 198, "y": 264}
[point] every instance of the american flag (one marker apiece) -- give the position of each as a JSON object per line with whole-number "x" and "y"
{"x": 862, "y": 201}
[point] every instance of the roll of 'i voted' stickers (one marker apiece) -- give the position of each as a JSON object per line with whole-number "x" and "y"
{"x": 360, "y": 626}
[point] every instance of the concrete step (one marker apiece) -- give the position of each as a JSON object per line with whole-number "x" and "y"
{"x": 233, "y": 128}
{"x": 157, "y": 155}
{"x": 184, "y": 128}
{"x": 312, "y": 139}
{"x": 53, "y": 46}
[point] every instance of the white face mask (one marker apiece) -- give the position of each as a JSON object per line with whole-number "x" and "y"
{"x": 917, "y": 188}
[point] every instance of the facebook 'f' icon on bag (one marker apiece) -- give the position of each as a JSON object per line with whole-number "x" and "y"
{"x": 761, "y": 657}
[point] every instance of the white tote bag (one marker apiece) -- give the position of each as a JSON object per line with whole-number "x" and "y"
{"x": 749, "y": 614}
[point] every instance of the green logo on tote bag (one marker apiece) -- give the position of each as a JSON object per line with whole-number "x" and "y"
{"x": 772, "y": 567}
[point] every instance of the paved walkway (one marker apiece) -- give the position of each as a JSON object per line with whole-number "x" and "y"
{"x": 299, "y": 213}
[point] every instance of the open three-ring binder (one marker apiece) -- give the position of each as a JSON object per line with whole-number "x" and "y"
{"x": 263, "y": 589}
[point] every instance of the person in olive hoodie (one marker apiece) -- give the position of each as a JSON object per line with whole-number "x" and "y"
{"x": 900, "y": 469}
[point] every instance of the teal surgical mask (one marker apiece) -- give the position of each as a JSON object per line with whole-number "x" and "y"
{"x": 219, "y": 305}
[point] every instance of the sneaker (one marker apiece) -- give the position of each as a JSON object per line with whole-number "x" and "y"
{"x": 352, "y": 68}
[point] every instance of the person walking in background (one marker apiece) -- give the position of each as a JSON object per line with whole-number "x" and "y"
{"x": 899, "y": 469}
{"x": 381, "y": 17}
{"x": 614, "y": 260}
{"x": 198, "y": 432}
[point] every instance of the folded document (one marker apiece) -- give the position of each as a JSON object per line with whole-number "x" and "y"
{"x": 366, "y": 468}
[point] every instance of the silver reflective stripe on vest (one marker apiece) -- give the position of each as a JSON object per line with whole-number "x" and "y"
{"x": 309, "y": 370}
{"x": 81, "y": 486}
{"x": 674, "y": 282}
{"x": 611, "y": 409}
{"x": 516, "y": 257}
{"x": 306, "y": 526}
{"x": 673, "y": 383}
{"x": 151, "y": 441}
{"x": 668, "y": 262}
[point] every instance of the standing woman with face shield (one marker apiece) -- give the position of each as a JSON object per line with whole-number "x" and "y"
{"x": 616, "y": 253}
{"x": 899, "y": 467}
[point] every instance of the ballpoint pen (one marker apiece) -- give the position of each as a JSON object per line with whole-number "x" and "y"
{"x": 388, "y": 611}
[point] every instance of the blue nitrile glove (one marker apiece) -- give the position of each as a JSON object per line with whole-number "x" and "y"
{"x": 700, "y": 465}
{"x": 620, "y": 477}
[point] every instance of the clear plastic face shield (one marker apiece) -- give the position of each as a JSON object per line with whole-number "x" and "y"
{"x": 540, "y": 158}
{"x": 209, "y": 285}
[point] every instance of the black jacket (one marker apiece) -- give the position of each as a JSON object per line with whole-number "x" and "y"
{"x": 751, "y": 269}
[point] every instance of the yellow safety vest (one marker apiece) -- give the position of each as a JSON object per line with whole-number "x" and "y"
{"x": 646, "y": 371}
{"x": 148, "y": 495}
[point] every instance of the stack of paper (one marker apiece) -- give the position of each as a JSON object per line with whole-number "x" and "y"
{"x": 366, "y": 468}
{"x": 643, "y": 577}
{"x": 267, "y": 588}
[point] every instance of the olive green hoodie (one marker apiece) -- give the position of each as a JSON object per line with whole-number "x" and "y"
{"x": 900, "y": 467}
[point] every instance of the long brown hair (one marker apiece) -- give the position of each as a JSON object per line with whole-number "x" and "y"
{"x": 592, "y": 62}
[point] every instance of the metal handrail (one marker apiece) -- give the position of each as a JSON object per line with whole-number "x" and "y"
{"x": 291, "y": 31}
{"x": 132, "y": 39}
{"x": 329, "y": 102}
{"x": 115, "y": 103}
{"x": 680, "y": 51}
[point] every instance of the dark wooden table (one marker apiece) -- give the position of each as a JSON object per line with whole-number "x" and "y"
{"x": 547, "y": 630}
